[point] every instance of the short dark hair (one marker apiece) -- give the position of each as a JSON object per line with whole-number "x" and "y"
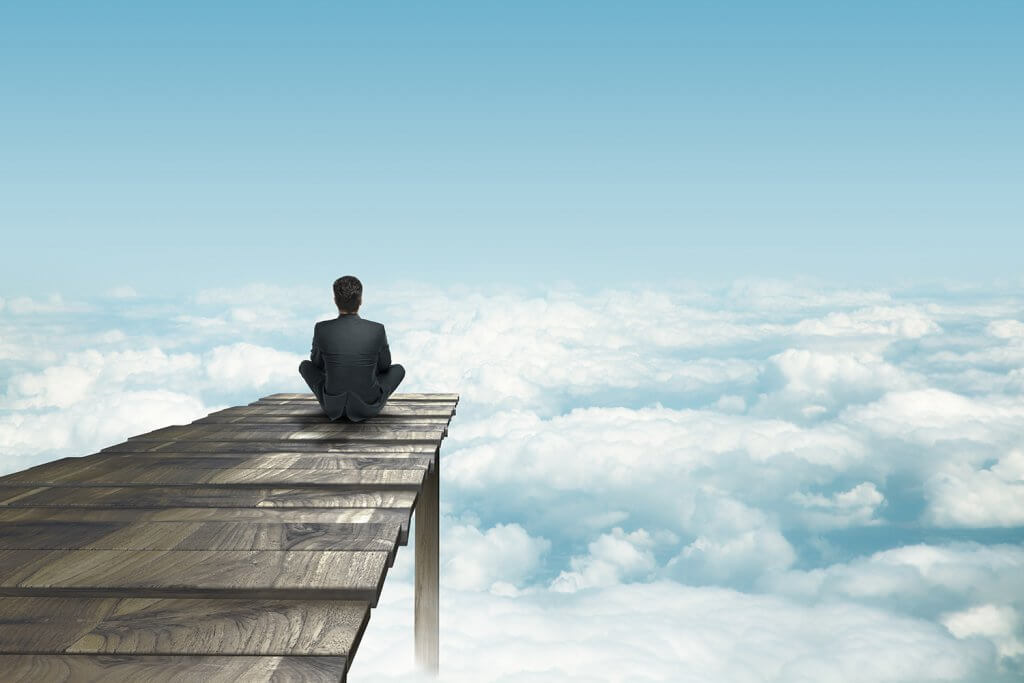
{"x": 348, "y": 293}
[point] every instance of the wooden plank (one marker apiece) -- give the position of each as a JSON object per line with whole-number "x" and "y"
{"x": 146, "y": 626}
{"x": 279, "y": 461}
{"x": 241, "y": 461}
{"x": 250, "y": 448}
{"x": 155, "y": 474}
{"x": 255, "y": 574}
{"x": 395, "y": 397}
{"x": 270, "y": 461}
{"x": 301, "y": 421}
{"x": 209, "y": 496}
{"x": 398, "y": 516}
{"x": 312, "y": 409}
{"x": 320, "y": 433}
{"x": 169, "y": 668}
{"x": 199, "y": 535}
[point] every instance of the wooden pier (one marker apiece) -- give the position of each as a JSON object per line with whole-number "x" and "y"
{"x": 249, "y": 545}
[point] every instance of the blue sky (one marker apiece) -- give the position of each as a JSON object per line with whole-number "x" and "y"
{"x": 730, "y": 292}
{"x": 485, "y": 141}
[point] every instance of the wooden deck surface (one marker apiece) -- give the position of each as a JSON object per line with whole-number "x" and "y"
{"x": 249, "y": 545}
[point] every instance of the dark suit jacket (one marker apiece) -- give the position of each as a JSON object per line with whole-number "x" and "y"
{"x": 351, "y": 351}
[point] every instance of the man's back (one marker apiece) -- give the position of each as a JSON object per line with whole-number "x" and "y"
{"x": 351, "y": 351}
{"x": 349, "y": 367}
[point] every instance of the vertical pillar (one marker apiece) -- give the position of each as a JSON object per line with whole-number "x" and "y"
{"x": 427, "y": 568}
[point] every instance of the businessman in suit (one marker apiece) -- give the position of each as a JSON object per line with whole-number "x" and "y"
{"x": 349, "y": 367}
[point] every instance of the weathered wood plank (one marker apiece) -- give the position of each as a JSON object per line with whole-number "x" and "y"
{"x": 71, "y": 468}
{"x": 137, "y": 626}
{"x": 134, "y": 474}
{"x": 313, "y": 409}
{"x": 398, "y": 516}
{"x": 266, "y": 502}
{"x": 257, "y": 574}
{"x": 222, "y": 497}
{"x": 249, "y": 448}
{"x": 320, "y": 433}
{"x": 302, "y": 421}
{"x": 280, "y": 460}
{"x": 395, "y": 397}
{"x": 200, "y": 535}
{"x": 170, "y": 669}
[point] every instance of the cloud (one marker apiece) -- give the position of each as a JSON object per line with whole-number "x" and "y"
{"x": 920, "y": 578}
{"x": 505, "y": 554}
{"x": 856, "y": 507}
{"x": 28, "y": 438}
{"x": 803, "y": 383}
{"x": 245, "y": 365}
{"x": 888, "y": 321}
{"x": 1006, "y": 329}
{"x": 929, "y": 416}
{"x": 757, "y": 482}
{"x": 612, "y": 558}
{"x": 998, "y": 623}
{"x": 665, "y": 631}
{"x": 960, "y": 495}
{"x": 123, "y": 292}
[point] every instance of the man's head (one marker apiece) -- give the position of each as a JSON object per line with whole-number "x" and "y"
{"x": 348, "y": 293}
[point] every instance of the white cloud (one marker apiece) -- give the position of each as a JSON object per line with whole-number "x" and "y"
{"x": 889, "y": 321}
{"x": 504, "y": 554}
{"x": 245, "y": 365}
{"x": 921, "y": 577}
{"x": 664, "y": 631}
{"x": 734, "y": 432}
{"x": 960, "y": 495}
{"x": 999, "y": 623}
{"x": 855, "y": 507}
{"x": 1006, "y": 329}
{"x": 85, "y": 373}
{"x": 54, "y": 303}
{"x": 123, "y": 292}
{"x": 612, "y": 558}
{"x": 811, "y": 383}
{"x": 28, "y": 438}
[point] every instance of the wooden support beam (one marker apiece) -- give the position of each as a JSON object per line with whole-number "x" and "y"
{"x": 428, "y": 570}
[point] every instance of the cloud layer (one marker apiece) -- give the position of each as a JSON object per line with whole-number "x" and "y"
{"x": 765, "y": 481}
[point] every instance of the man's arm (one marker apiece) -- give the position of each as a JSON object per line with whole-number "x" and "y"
{"x": 384, "y": 356}
{"x": 315, "y": 356}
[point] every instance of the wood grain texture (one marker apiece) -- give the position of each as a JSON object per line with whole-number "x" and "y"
{"x": 313, "y": 409}
{"x": 300, "y": 421}
{"x": 320, "y": 433}
{"x": 400, "y": 516}
{"x": 135, "y": 474}
{"x": 394, "y": 398}
{"x": 71, "y": 469}
{"x": 272, "y": 461}
{"x": 250, "y": 448}
{"x": 136, "y": 626}
{"x": 208, "y": 496}
{"x": 248, "y": 545}
{"x": 170, "y": 669}
{"x": 327, "y": 574}
{"x": 198, "y": 535}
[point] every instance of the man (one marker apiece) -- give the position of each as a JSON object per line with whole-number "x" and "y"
{"x": 349, "y": 367}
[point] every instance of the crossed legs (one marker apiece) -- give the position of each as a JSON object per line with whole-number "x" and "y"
{"x": 315, "y": 378}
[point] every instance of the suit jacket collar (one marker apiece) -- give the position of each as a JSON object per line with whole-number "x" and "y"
{"x": 348, "y": 315}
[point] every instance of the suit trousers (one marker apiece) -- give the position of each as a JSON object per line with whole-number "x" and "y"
{"x": 315, "y": 378}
